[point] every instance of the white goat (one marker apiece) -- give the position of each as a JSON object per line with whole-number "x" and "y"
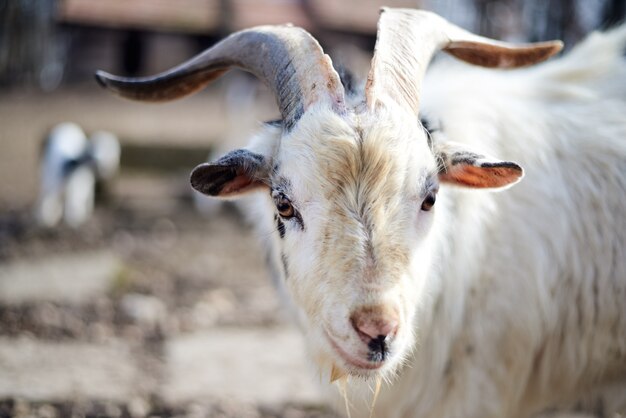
{"x": 481, "y": 305}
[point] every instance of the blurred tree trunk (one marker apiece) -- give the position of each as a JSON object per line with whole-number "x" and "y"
{"x": 29, "y": 51}
{"x": 558, "y": 19}
{"x": 533, "y": 20}
{"x": 613, "y": 13}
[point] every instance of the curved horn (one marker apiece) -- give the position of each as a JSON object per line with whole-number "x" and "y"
{"x": 407, "y": 39}
{"x": 288, "y": 59}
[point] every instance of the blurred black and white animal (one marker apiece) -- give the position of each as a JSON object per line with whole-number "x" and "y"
{"x": 71, "y": 166}
{"x": 478, "y": 264}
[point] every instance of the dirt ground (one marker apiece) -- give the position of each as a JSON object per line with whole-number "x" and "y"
{"x": 149, "y": 309}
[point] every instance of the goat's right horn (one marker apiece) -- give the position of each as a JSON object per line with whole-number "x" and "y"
{"x": 407, "y": 39}
{"x": 287, "y": 58}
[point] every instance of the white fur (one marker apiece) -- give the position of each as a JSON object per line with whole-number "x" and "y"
{"x": 531, "y": 311}
{"x": 511, "y": 303}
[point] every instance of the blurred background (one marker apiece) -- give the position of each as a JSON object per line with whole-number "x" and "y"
{"x": 123, "y": 294}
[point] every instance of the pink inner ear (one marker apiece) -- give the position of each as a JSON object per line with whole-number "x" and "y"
{"x": 240, "y": 184}
{"x": 481, "y": 177}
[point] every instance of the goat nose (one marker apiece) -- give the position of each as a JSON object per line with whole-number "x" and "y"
{"x": 374, "y": 323}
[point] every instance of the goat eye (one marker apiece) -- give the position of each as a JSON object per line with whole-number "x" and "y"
{"x": 285, "y": 208}
{"x": 429, "y": 202}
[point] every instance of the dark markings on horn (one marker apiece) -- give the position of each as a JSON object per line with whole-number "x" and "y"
{"x": 289, "y": 95}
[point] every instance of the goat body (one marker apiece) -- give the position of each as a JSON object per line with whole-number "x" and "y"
{"x": 503, "y": 304}
{"x": 527, "y": 310}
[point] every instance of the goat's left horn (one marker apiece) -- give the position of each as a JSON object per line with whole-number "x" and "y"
{"x": 407, "y": 39}
{"x": 286, "y": 58}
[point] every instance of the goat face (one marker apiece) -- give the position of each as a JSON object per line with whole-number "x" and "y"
{"x": 352, "y": 201}
{"x": 355, "y": 249}
{"x": 351, "y": 190}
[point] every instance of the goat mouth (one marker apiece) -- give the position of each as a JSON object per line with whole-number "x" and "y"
{"x": 351, "y": 360}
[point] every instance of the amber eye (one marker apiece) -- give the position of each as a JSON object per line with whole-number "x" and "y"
{"x": 284, "y": 207}
{"x": 429, "y": 202}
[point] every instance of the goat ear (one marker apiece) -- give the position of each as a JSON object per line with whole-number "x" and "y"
{"x": 237, "y": 172}
{"x": 463, "y": 167}
{"x": 493, "y": 54}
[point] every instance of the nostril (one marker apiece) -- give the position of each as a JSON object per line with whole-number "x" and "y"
{"x": 378, "y": 349}
{"x": 372, "y": 323}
